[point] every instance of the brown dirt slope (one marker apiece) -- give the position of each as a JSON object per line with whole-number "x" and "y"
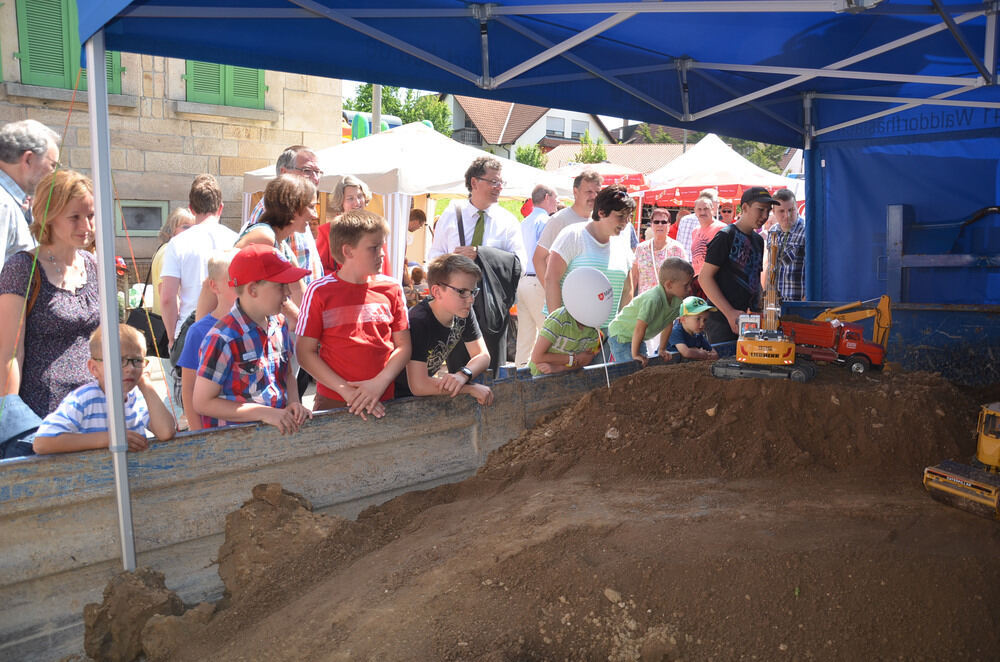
{"x": 674, "y": 516}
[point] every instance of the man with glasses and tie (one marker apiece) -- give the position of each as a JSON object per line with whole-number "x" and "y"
{"x": 488, "y": 234}
{"x": 29, "y": 150}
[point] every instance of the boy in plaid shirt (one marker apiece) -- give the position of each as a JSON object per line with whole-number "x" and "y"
{"x": 244, "y": 373}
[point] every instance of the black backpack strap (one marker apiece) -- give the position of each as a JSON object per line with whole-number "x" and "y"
{"x": 460, "y": 222}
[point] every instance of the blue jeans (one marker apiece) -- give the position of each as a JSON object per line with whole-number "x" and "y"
{"x": 17, "y": 427}
{"x": 622, "y": 352}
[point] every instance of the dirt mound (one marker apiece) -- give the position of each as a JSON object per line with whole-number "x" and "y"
{"x": 114, "y": 627}
{"x": 680, "y": 421}
{"x": 674, "y": 516}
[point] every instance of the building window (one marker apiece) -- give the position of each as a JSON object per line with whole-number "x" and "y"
{"x": 224, "y": 85}
{"x": 142, "y": 218}
{"x": 49, "y": 42}
{"x": 579, "y": 128}
{"x": 555, "y": 127}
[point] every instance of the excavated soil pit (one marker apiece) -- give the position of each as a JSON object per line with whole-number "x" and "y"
{"x": 674, "y": 516}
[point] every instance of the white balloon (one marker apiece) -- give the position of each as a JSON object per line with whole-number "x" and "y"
{"x": 588, "y": 296}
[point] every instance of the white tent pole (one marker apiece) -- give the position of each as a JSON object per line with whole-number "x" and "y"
{"x": 860, "y": 57}
{"x": 100, "y": 158}
{"x": 910, "y": 101}
{"x": 834, "y": 73}
{"x": 376, "y": 109}
{"x": 583, "y": 64}
{"x": 760, "y": 108}
{"x": 387, "y": 39}
{"x": 883, "y": 113}
{"x": 990, "y": 48}
{"x": 559, "y": 49}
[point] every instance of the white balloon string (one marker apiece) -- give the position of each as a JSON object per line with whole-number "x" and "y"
{"x": 604, "y": 356}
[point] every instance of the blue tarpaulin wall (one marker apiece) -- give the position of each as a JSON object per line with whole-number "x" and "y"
{"x": 921, "y": 159}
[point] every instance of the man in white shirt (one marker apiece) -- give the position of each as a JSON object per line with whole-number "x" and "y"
{"x": 185, "y": 262}
{"x": 530, "y": 293}
{"x": 586, "y": 186}
{"x": 482, "y": 222}
{"x": 28, "y": 152}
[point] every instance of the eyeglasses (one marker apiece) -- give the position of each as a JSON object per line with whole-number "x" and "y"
{"x": 127, "y": 361}
{"x": 726, "y": 211}
{"x": 495, "y": 183}
{"x": 309, "y": 172}
{"x": 660, "y": 222}
{"x": 462, "y": 292}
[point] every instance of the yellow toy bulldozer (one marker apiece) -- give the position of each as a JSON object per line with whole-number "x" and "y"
{"x": 974, "y": 486}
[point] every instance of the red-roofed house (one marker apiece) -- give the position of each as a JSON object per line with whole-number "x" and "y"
{"x": 501, "y": 126}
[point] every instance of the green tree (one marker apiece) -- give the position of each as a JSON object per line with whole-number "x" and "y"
{"x": 407, "y": 106}
{"x": 660, "y": 136}
{"x": 531, "y": 155}
{"x": 590, "y": 151}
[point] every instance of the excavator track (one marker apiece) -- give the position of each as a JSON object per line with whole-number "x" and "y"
{"x": 732, "y": 369}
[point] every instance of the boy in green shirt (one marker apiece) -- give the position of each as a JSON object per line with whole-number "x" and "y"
{"x": 563, "y": 344}
{"x": 650, "y": 313}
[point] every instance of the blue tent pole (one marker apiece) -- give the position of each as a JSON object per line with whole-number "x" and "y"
{"x": 104, "y": 209}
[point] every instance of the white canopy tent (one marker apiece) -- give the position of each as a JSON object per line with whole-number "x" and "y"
{"x": 410, "y": 160}
{"x": 712, "y": 162}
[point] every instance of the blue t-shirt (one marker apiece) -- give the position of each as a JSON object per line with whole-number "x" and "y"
{"x": 678, "y": 336}
{"x": 192, "y": 343}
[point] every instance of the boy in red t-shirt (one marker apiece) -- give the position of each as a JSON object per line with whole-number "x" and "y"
{"x": 353, "y": 333}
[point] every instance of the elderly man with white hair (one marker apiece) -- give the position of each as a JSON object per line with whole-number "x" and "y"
{"x": 29, "y": 150}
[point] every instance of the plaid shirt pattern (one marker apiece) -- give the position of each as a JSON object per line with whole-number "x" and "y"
{"x": 248, "y": 362}
{"x": 685, "y": 229}
{"x": 791, "y": 263}
{"x": 302, "y": 244}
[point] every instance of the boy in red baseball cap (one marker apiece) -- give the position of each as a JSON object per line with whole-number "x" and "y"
{"x": 244, "y": 374}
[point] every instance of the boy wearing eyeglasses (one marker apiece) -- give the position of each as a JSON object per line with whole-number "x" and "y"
{"x": 353, "y": 332}
{"x": 80, "y": 422}
{"x": 437, "y": 325}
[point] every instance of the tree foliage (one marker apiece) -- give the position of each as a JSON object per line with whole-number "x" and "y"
{"x": 765, "y": 155}
{"x": 590, "y": 151}
{"x": 531, "y": 155}
{"x": 659, "y": 136}
{"x": 404, "y": 104}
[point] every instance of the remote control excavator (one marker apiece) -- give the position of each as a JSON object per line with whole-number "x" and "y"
{"x": 972, "y": 486}
{"x": 762, "y": 349}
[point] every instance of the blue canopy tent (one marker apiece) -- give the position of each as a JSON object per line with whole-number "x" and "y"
{"x": 894, "y": 101}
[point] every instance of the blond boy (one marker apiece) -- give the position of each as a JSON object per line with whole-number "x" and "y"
{"x": 80, "y": 422}
{"x": 650, "y": 313}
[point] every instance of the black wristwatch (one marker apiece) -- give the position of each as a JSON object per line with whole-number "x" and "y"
{"x": 465, "y": 371}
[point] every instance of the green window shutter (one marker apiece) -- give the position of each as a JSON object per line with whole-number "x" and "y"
{"x": 204, "y": 82}
{"x": 244, "y": 87}
{"x": 113, "y": 65}
{"x": 43, "y": 30}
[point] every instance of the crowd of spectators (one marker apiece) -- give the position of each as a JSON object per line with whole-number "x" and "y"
{"x": 252, "y": 318}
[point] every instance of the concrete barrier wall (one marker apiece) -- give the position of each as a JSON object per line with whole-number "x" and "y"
{"x": 58, "y": 517}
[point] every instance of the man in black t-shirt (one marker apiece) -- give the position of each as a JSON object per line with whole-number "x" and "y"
{"x": 730, "y": 276}
{"x": 437, "y": 325}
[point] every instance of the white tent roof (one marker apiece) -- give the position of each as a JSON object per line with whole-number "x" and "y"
{"x": 416, "y": 160}
{"x": 712, "y": 162}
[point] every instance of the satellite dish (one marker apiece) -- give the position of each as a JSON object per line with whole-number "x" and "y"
{"x": 588, "y": 296}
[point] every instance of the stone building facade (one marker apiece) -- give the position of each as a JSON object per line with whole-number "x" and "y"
{"x": 162, "y": 134}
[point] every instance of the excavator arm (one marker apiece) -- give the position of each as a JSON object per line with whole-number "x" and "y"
{"x": 854, "y": 312}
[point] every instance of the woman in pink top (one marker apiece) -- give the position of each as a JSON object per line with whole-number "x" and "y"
{"x": 650, "y": 254}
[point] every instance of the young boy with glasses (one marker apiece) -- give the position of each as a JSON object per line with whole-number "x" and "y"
{"x": 437, "y": 325}
{"x": 80, "y": 422}
{"x": 353, "y": 333}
